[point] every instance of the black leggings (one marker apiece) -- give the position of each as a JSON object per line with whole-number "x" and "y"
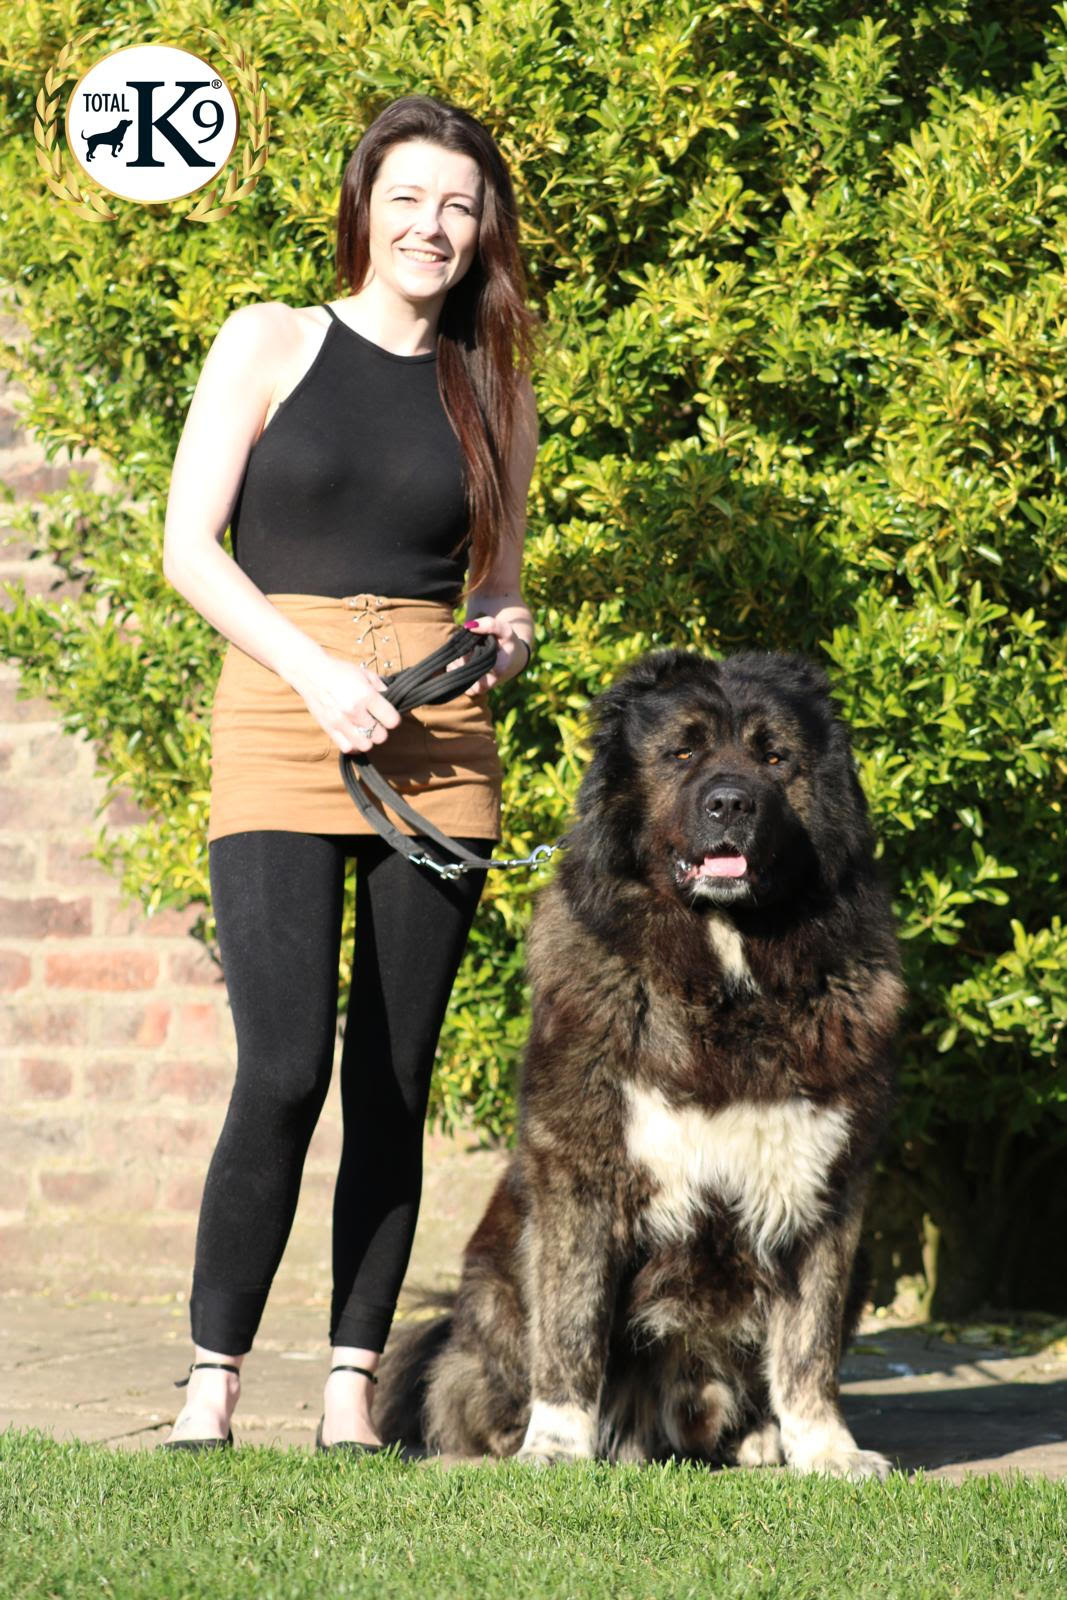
{"x": 278, "y": 901}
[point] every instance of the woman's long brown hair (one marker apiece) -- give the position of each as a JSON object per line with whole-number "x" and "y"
{"x": 485, "y": 332}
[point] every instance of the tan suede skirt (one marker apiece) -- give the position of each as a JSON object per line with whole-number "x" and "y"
{"x": 273, "y": 766}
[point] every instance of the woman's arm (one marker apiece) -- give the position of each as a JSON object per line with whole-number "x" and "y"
{"x": 497, "y": 606}
{"x": 226, "y": 415}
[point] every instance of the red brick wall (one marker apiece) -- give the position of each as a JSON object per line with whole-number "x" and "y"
{"x": 116, "y": 1045}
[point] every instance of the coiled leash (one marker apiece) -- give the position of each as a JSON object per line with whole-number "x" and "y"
{"x": 426, "y": 684}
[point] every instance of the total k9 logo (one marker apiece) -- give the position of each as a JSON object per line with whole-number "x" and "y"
{"x": 151, "y": 123}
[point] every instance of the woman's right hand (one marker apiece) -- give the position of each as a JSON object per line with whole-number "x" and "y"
{"x": 345, "y": 698}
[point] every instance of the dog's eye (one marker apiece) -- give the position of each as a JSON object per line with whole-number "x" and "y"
{"x": 682, "y": 755}
{"x": 774, "y": 758}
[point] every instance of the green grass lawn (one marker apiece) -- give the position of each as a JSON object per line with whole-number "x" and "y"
{"x": 82, "y": 1520}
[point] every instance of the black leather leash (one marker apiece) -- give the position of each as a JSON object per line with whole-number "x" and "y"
{"x": 425, "y": 684}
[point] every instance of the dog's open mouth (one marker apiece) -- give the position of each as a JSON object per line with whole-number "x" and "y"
{"x": 711, "y": 867}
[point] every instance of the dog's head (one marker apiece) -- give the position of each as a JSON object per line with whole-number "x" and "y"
{"x": 723, "y": 783}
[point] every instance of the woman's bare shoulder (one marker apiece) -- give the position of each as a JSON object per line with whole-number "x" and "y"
{"x": 273, "y": 322}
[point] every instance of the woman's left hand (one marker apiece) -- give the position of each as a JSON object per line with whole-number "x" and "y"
{"x": 511, "y": 654}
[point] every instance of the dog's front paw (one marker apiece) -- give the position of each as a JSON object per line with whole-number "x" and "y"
{"x": 853, "y": 1464}
{"x": 558, "y": 1433}
{"x": 828, "y": 1447}
{"x": 546, "y": 1455}
{"x": 762, "y": 1447}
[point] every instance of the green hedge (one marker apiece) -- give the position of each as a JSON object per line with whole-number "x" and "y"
{"x": 802, "y": 385}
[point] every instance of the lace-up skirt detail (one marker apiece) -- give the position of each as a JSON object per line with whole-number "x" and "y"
{"x": 273, "y": 766}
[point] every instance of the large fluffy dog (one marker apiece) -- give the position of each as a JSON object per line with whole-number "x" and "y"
{"x": 666, "y": 1265}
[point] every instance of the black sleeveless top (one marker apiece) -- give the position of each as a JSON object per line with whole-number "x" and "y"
{"x": 355, "y": 486}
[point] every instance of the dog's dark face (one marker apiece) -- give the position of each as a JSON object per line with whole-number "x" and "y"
{"x": 723, "y": 783}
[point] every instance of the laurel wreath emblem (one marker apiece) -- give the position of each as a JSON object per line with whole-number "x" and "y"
{"x": 217, "y": 200}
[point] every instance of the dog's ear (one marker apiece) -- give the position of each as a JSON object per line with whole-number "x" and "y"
{"x": 845, "y": 842}
{"x": 605, "y": 796}
{"x": 615, "y": 717}
{"x": 611, "y": 715}
{"x": 661, "y": 669}
{"x": 606, "y": 807}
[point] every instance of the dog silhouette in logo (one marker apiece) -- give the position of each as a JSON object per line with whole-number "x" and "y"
{"x": 113, "y": 137}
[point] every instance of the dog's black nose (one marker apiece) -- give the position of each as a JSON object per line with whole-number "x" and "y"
{"x": 726, "y": 800}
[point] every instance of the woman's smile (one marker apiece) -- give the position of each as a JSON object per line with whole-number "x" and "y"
{"x": 424, "y": 256}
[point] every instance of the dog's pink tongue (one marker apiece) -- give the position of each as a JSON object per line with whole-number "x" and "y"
{"x": 722, "y": 867}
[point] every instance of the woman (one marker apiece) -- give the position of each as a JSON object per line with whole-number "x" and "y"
{"x": 366, "y": 453}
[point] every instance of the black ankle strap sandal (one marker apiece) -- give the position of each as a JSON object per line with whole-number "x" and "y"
{"x": 225, "y": 1366}
{"x": 201, "y": 1444}
{"x": 353, "y": 1447}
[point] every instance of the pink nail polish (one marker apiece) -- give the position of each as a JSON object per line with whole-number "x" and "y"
{"x": 470, "y": 624}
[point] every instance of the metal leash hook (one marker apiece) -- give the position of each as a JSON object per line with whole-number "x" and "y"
{"x": 537, "y": 857}
{"x": 455, "y": 869}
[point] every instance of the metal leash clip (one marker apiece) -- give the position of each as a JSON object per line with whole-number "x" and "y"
{"x": 444, "y": 869}
{"x": 455, "y": 869}
{"x": 538, "y": 855}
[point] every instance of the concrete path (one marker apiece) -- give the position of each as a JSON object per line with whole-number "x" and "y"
{"x": 956, "y": 1408}
{"x": 105, "y": 1372}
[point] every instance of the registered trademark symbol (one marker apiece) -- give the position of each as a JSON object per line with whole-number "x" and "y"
{"x": 216, "y": 83}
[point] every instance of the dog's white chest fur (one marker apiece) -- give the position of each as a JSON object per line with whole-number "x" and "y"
{"x": 729, "y": 946}
{"x": 769, "y": 1161}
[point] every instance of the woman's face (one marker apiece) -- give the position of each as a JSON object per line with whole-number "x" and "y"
{"x": 425, "y": 208}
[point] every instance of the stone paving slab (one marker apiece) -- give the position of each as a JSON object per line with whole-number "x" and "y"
{"x": 955, "y": 1410}
{"x": 104, "y": 1372}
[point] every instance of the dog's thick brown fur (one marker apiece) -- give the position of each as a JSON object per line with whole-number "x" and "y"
{"x": 667, "y": 1265}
